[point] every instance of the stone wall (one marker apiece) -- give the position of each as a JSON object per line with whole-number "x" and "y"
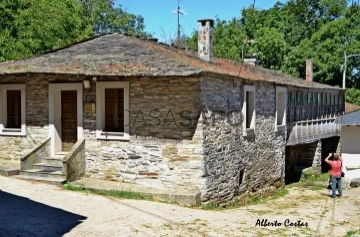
{"x": 36, "y": 155}
{"x": 259, "y": 157}
{"x": 165, "y": 147}
{"x": 74, "y": 163}
{"x": 300, "y": 157}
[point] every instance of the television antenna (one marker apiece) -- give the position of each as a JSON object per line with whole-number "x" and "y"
{"x": 179, "y": 12}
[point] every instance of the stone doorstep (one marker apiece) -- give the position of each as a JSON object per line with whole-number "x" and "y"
{"x": 183, "y": 198}
{"x": 49, "y": 180}
{"x": 8, "y": 168}
{"x": 9, "y": 172}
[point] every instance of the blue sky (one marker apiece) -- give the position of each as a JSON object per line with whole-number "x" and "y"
{"x": 161, "y": 21}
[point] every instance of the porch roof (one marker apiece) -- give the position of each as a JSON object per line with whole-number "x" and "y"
{"x": 352, "y": 118}
{"x": 122, "y": 55}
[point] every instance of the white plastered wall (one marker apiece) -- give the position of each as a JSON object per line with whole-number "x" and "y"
{"x": 350, "y": 150}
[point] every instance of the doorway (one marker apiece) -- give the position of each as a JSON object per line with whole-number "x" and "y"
{"x": 65, "y": 115}
{"x": 68, "y": 119}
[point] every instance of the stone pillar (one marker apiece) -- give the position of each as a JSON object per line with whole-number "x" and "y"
{"x": 205, "y": 39}
{"x": 316, "y": 165}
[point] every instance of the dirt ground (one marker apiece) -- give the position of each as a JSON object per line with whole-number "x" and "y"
{"x": 37, "y": 209}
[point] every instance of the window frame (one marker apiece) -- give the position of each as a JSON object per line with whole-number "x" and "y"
{"x": 250, "y": 130}
{"x": 101, "y": 134}
{"x": 280, "y": 90}
{"x": 3, "y": 110}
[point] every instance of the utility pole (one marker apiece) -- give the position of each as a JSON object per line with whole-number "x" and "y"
{"x": 345, "y": 62}
{"x": 178, "y": 12}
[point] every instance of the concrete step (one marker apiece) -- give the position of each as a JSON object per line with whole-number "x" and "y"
{"x": 60, "y": 155}
{"x": 52, "y": 180}
{"x": 42, "y": 173}
{"x": 47, "y": 167}
{"x": 52, "y": 161}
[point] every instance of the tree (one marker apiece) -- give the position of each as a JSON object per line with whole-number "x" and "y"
{"x": 104, "y": 17}
{"x": 326, "y": 48}
{"x": 31, "y": 27}
{"x": 269, "y": 48}
{"x": 352, "y": 96}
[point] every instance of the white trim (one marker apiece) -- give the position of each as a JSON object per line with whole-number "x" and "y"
{"x": 280, "y": 127}
{"x": 3, "y": 110}
{"x": 251, "y": 129}
{"x": 55, "y": 112}
{"x": 100, "y": 111}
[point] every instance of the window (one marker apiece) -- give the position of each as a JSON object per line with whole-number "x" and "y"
{"x": 249, "y": 109}
{"x": 280, "y": 107}
{"x": 12, "y": 110}
{"x": 241, "y": 176}
{"x": 112, "y": 110}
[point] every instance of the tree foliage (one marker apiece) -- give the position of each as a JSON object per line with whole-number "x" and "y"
{"x": 104, "y": 17}
{"x": 30, "y": 27}
{"x": 352, "y": 95}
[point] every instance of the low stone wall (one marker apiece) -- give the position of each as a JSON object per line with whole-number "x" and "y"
{"x": 74, "y": 163}
{"x": 36, "y": 155}
{"x": 14, "y": 147}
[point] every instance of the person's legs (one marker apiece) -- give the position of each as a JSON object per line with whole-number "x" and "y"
{"x": 333, "y": 186}
{"x": 339, "y": 186}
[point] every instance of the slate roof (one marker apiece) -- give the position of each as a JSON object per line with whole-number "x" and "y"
{"x": 352, "y": 118}
{"x": 121, "y": 55}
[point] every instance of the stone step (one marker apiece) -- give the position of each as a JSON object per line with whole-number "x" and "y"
{"x": 52, "y": 161}
{"x": 60, "y": 155}
{"x": 47, "y": 167}
{"x": 42, "y": 173}
{"x": 51, "y": 180}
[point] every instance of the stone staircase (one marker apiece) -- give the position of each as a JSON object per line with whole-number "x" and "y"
{"x": 48, "y": 170}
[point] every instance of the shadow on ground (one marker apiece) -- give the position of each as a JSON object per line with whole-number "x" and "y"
{"x": 21, "y": 216}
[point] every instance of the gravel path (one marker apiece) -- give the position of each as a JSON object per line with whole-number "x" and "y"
{"x": 36, "y": 209}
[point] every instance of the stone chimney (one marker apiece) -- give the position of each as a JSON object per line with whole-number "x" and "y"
{"x": 309, "y": 70}
{"x": 205, "y": 39}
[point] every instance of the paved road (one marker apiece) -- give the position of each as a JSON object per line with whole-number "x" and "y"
{"x": 36, "y": 209}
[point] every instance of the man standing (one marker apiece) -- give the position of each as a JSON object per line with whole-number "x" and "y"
{"x": 335, "y": 173}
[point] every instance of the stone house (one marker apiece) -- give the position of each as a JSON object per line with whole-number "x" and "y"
{"x": 133, "y": 110}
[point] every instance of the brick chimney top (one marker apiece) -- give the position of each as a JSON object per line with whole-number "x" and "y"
{"x": 309, "y": 70}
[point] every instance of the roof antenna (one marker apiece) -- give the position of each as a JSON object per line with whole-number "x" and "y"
{"x": 178, "y": 12}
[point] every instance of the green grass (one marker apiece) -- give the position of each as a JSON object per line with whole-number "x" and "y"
{"x": 71, "y": 187}
{"x": 312, "y": 180}
{"x": 126, "y": 194}
{"x": 280, "y": 193}
{"x": 352, "y": 233}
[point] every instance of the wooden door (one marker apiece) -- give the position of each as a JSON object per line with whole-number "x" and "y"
{"x": 68, "y": 119}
